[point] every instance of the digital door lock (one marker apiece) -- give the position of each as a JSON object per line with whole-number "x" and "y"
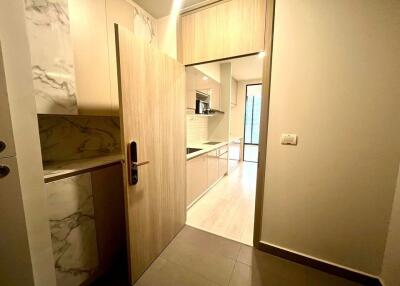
{"x": 133, "y": 164}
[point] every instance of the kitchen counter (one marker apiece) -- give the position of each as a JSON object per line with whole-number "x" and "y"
{"x": 205, "y": 148}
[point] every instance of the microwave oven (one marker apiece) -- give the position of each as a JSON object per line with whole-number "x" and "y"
{"x": 202, "y": 107}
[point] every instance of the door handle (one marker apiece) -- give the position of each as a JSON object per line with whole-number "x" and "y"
{"x": 133, "y": 171}
{"x": 4, "y": 171}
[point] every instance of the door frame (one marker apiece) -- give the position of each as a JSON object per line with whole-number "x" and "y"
{"x": 265, "y": 108}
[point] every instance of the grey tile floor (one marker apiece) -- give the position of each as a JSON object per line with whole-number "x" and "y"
{"x": 198, "y": 258}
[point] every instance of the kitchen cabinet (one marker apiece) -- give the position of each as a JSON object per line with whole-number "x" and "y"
{"x": 215, "y": 97}
{"x": 227, "y": 29}
{"x": 196, "y": 178}
{"x": 204, "y": 171}
{"x": 212, "y": 167}
{"x": 235, "y": 151}
{"x": 223, "y": 164}
{"x": 190, "y": 88}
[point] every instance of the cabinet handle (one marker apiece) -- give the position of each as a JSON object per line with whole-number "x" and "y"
{"x": 2, "y": 146}
{"x": 4, "y": 171}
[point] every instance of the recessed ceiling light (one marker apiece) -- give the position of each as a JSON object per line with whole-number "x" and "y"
{"x": 261, "y": 55}
{"x": 205, "y": 78}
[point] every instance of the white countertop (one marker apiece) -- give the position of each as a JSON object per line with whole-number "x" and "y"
{"x": 56, "y": 170}
{"x": 205, "y": 148}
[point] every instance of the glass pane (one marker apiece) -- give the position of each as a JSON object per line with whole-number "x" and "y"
{"x": 248, "y": 120}
{"x": 252, "y": 122}
{"x": 256, "y": 120}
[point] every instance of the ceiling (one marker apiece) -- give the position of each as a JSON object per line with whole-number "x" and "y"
{"x": 247, "y": 68}
{"x": 161, "y": 8}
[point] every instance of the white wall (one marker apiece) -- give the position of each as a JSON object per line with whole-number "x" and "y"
{"x": 212, "y": 70}
{"x": 391, "y": 262}
{"x": 335, "y": 83}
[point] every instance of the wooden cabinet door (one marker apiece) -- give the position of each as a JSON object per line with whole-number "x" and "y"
{"x": 152, "y": 110}
{"x": 227, "y": 29}
{"x": 223, "y": 164}
{"x": 215, "y": 99}
{"x": 7, "y": 148}
{"x": 90, "y": 45}
{"x": 212, "y": 167}
{"x": 196, "y": 178}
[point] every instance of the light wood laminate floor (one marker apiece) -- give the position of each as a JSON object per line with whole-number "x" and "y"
{"x": 228, "y": 208}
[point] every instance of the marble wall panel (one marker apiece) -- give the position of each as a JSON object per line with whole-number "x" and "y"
{"x": 51, "y": 56}
{"x": 73, "y": 137}
{"x": 73, "y": 231}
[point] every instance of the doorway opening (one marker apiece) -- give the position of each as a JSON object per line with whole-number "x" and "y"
{"x": 222, "y": 98}
{"x": 252, "y": 122}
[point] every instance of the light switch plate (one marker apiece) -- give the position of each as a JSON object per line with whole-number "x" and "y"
{"x": 289, "y": 139}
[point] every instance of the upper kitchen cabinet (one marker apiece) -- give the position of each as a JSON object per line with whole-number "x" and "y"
{"x": 226, "y": 29}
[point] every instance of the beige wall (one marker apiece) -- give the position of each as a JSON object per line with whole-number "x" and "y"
{"x": 238, "y": 110}
{"x": 335, "y": 83}
{"x": 391, "y": 262}
{"x": 212, "y": 70}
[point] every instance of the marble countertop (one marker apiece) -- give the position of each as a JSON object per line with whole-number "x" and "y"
{"x": 62, "y": 169}
{"x": 205, "y": 148}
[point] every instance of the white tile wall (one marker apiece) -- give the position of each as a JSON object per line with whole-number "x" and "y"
{"x": 197, "y": 129}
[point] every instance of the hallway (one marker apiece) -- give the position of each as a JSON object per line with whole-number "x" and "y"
{"x": 197, "y": 258}
{"x": 228, "y": 208}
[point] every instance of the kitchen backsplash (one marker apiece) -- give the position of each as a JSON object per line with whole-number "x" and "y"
{"x": 197, "y": 129}
{"x": 71, "y": 137}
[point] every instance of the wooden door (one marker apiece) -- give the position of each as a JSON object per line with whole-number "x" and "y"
{"x": 152, "y": 110}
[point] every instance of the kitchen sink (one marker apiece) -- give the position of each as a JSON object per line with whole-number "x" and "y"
{"x": 212, "y": 143}
{"x": 192, "y": 150}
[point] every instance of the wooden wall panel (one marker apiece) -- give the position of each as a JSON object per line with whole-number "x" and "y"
{"x": 109, "y": 211}
{"x": 231, "y": 28}
{"x": 89, "y": 37}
